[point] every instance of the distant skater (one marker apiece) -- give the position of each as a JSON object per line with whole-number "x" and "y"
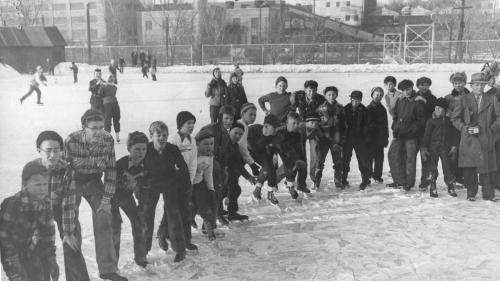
{"x": 74, "y": 68}
{"x": 38, "y": 79}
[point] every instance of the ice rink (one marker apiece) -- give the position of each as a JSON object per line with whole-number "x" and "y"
{"x": 379, "y": 234}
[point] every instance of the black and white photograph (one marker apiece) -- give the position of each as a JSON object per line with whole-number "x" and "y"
{"x": 150, "y": 140}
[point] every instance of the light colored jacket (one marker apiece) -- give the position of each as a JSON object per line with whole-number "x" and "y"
{"x": 188, "y": 149}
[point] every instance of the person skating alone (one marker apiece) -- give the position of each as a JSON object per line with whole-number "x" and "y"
{"x": 95, "y": 86}
{"x": 236, "y": 94}
{"x": 153, "y": 69}
{"x": 74, "y": 68}
{"x": 113, "y": 69}
{"x": 121, "y": 64}
{"x": 217, "y": 91}
{"x": 111, "y": 107}
{"x": 37, "y": 80}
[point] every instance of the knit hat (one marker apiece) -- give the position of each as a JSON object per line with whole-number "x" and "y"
{"x": 272, "y": 120}
{"x": 97, "y": 70}
{"x": 478, "y": 78}
{"x": 442, "y": 102}
{"x": 32, "y": 168}
{"x": 135, "y": 138}
{"x": 458, "y": 76}
{"x": 405, "y": 84}
{"x": 246, "y": 107}
{"x": 424, "y": 80}
{"x": 91, "y": 115}
{"x": 281, "y": 79}
{"x": 237, "y": 125}
{"x": 312, "y": 116}
{"x": 226, "y": 109}
{"x": 203, "y": 134}
{"x": 49, "y": 135}
{"x": 183, "y": 117}
{"x": 358, "y": 95}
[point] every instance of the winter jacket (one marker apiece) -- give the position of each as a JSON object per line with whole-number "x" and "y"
{"x": 440, "y": 134}
{"x": 453, "y": 98}
{"x": 188, "y": 149}
{"x": 290, "y": 146}
{"x": 236, "y": 166}
{"x": 306, "y": 106}
{"x": 390, "y": 100}
{"x": 258, "y": 143}
{"x": 377, "y": 129}
{"x": 74, "y": 68}
{"x": 356, "y": 121}
{"x": 430, "y": 102}
{"x": 243, "y": 144}
{"x": 409, "y": 118}
{"x": 108, "y": 93}
{"x": 332, "y": 122}
{"x": 217, "y": 92}
{"x": 94, "y": 88}
{"x": 237, "y": 97}
{"x": 204, "y": 171}
{"x": 129, "y": 178}
{"x": 221, "y": 143}
{"x": 280, "y": 104}
{"x": 166, "y": 169}
{"x": 112, "y": 69}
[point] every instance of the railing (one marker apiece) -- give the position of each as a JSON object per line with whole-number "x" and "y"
{"x": 316, "y": 53}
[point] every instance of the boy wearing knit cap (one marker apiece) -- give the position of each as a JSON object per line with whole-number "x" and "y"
{"x": 183, "y": 140}
{"x": 24, "y": 216}
{"x": 217, "y": 92}
{"x": 91, "y": 154}
{"x": 440, "y": 141}
{"x": 236, "y": 94}
{"x": 262, "y": 147}
{"x": 130, "y": 174}
{"x": 280, "y": 101}
{"x": 356, "y": 120}
{"x": 248, "y": 115}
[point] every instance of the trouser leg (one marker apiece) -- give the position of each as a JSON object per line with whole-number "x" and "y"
{"x": 322, "y": 149}
{"x": 488, "y": 181}
{"x": 173, "y": 218}
{"x": 234, "y": 191}
{"x": 108, "y": 114}
{"x": 471, "y": 181}
{"x": 346, "y": 161}
{"x": 362, "y": 157}
{"x": 116, "y": 117}
{"x": 204, "y": 198}
{"x": 214, "y": 113}
{"x": 30, "y": 91}
{"x": 148, "y": 199}
{"x": 131, "y": 209}
{"x": 313, "y": 158}
{"x": 396, "y": 163}
{"x": 448, "y": 175}
{"x": 378, "y": 161}
{"x": 411, "y": 161}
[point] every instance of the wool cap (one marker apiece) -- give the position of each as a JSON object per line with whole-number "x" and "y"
{"x": 458, "y": 76}
{"x": 356, "y": 95}
{"x": 272, "y": 120}
{"x": 405, "y": 84}
{"x": 442, "y": 102}
{"x": 424, "y": 80}
{"x": 246, "y": 107}
{"x": 312, "y": 116}
{"x": 49, "y": 135}
{"x": 281, "y": 79}
{"x": 135, "y": 138}
{"x": 183, "y": 117}
{"x": 91, "y": 115}
{"x": 203, "y": 134}
{"x": 32, "y": 168}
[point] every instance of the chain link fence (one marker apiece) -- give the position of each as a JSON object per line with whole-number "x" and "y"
{"x": 320, "y": 53}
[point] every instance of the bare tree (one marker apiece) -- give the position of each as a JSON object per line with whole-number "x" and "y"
{"x": 28, "y": 11}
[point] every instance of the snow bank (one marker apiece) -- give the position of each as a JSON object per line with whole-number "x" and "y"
{"x": 6, "y": 71}
{"x": 63, "y": 68}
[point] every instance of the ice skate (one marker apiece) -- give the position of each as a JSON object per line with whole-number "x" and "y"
{"x": 257, "y": 192}
{"x": 272, "y": 198}
{"x": 180, "y": 256}
{"x": 451, "y": 190}
{"x": 113, "y": 276}
{"x": 237, "y": 217}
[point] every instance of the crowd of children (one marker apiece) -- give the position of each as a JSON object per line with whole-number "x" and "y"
{"x": 198, "y": 174}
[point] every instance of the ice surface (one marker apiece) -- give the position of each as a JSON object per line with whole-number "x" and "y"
{"x": 379, "y": 234}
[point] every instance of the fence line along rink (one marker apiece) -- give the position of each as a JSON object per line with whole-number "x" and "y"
{"x": 380, "y": 234}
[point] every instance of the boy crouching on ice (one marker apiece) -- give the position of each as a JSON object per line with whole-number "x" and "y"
{"x": 27, "y": 231}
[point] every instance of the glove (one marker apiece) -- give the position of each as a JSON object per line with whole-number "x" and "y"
{"x": 453, "y": 153}
{"x": 255, "y": 169}
{"x": 53, "y": 268}
{"x": 425, "y": 154}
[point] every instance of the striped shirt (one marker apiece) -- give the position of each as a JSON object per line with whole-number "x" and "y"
{"x": 88, "y": 159}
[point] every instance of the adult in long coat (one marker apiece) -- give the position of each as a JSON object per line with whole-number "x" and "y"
{"x": 477, "y": 149}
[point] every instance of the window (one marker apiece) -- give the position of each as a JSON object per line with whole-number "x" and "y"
{"x": 149, "y": 25}
{"x": 337, "y": 4}
{"x": 327, "y": 4}
{"x": 348, "y": 3}
{"x": 236, "y": 21}
{"x": 356, "y": 17}
{"x": 77, "y": 6}
{"x": 254, "y": 24}
{"x": 92, "y": 5}
{"x": 347, "y": 17}
{"x": 78, "y": 19}
{"x": 60, "y": 20}
{"x": 59, "y": 7}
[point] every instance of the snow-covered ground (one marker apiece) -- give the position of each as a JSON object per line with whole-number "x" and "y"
{"x": 379, "y": 234}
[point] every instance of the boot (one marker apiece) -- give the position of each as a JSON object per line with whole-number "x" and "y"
{"x": 272, "y": 198}
{"x": 293, "y": 192}
{"x": 345, "y": 183}
{"x": 338, "y": 179}
{"x": 451, "y": 190}
{"x": 211, "y": 235}
{"x": 236, "y": 217}
{"x": 113, "y": 276}
{"x": 304, "y": 189}
{"x": 162, "y": 242}
{"x": 142, "y": 262}
{"x": 179, "y": 256}
{"x": 257, "y": 192}
{"x": 363, "y": 185}
{"x": 191, "y": 247}
{"x": 433, "y": 189}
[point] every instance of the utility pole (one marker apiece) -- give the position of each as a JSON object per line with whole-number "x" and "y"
{"x": 166, "y": 35}
{"x": 460, "y": 45}
{"x": 89, "y": 40}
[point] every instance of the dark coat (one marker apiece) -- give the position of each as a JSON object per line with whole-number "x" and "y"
{"x": 478, "y": 150}
{"x": 221, "y": 143}
{"x": 356, "y": 122}
{"x": 453, "y": 98}
{"x": 430, "y": 103}
{"x": 217, "y": 92}
{"x": 237, "y": 97}
{"x": 305, "y": 106}
{"x": 258, "y": 143}
{"x": 332, "y": 122}
{"x": 377, "y": 129}
{"x": 409, "y": 118}
{"x": 290, "y": 146}
{"x": 440, "y": 134}
{"x": 95, "y": 98}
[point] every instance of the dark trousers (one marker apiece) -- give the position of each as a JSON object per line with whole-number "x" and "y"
{"x": 220, "y": 184}
{"x": 30, "y": 91}
{"x": 32, "y": 268}
{"x": 376, "y": 161}
{"x": 145, "y": 74}
{"x": 121, "y": 68}
{"x": 74, "y": 262}
{"x": 402, "y": 156}
{"x": 268, "y": 170}
{"x": 233, "y": 191}
{"x": 176, "y": 221}
{"x": 148, "y": 200}
{"x": 487, "y": 181}
{"x": 153, "y": 76}
{"x": 75, "y": 77}
{"x": 92, "y": 191}
{"x": 203, "y": 204}
{"x": 96, "y": 103}
{"x": 294, "y": 169}
{"x": 214, "y": 113}
{"x": 112, "y": 113}
{"x": 361, "y": 151}
{"x": 116, "y": 79}
{"x": 319, "y": 150}
{"x": 432, "y": 164}
{"x": 125, "y": 200}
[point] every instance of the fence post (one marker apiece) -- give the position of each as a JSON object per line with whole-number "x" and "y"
{"x": 326, "y": 44}
{"x": 231, "y": 52}
{"x": 262, "y": 54}
{"x": 191, "y": 55}
{"x": 466, "y": 48}
{"x": 359, "y": 51}
{"x": 202, "y": 54}
{"x": 293, "y": 53}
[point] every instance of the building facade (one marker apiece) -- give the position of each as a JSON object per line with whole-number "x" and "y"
{"x": 351, "y": 12}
